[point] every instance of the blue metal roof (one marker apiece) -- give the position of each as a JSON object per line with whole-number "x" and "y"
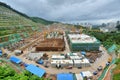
{"x": 35, "y": 70}
{"x": 15, "y": 59}
{"x": 64, "y": 76}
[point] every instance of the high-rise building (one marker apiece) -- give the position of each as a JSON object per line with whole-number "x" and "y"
{"x": 118, "y": 23}
{"x": 87, "y": 25}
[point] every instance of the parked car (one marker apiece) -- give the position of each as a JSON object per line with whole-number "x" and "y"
{"x": 95, "y": 73}
{"x": 99, "y": 68}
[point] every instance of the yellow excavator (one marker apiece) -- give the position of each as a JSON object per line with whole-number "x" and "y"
{"x": 110, "y": 59}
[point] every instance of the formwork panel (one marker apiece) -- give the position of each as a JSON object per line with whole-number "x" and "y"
{"x": 51, "y": 45}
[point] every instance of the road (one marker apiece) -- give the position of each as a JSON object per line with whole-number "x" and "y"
{"x": 67, "y": 49}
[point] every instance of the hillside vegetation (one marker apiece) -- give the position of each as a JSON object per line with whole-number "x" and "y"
{"x": 8, "y": 73}
{"x": 42, "y": 21}
{"x": 12, "y": 21}
{"x": 15, "y": 26}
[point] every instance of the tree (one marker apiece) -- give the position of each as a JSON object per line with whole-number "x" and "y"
{"x": 7, "y": 73}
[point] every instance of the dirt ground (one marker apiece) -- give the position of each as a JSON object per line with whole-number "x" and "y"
{"x": 117, "y": 70}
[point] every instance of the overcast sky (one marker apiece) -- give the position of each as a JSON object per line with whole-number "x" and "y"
{"x": 94, "y": 11}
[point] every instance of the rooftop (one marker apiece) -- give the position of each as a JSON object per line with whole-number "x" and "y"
{"x": 62, "y": 61}
{"x": 86, "y": 73}
{"x": 75, "y": 57}
{"x": 35, "y": 70}
{"x": 15, "y": 59}
{"x": 82, "y": 61}
{"x": 81, "y": 38}
{"x": 58, "y": 57}
{"x": 64, "y": 76}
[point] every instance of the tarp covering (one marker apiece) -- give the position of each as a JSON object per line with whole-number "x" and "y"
{"x": 15, "y": 60}
{"x": 83, "y": 52}
{"x": 35, "y": 70}
{"x": 0, "y": 52}
{"x": 41, "y": 61}
{"x": 112, "y": 48}
{"x": 64, "y": 76}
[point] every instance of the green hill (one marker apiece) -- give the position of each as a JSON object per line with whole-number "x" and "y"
{"x": 14, "y": 25}
{"x": 34, "y": 19}
{"x": 12, "y": 21}
{"x": 42, "y": 21}
{"x": 11, "y": 18}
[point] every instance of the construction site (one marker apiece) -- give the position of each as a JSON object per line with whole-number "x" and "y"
{"x": 49, "y": 49}
{"x": 53, "y": 41}
{"x": 52, "y": 51}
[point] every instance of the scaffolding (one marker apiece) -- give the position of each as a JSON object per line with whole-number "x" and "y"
{"x": 83, "y": 46}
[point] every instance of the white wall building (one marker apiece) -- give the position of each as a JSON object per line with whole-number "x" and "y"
{"x": 78, "y": 76}
{"x": 63, "y": 63}
{"x": 82, "y": 63}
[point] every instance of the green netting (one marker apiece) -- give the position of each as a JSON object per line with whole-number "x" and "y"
{"x": 11, "y": 39}
{"x": 33, "y": 28}
{"x": 26, "y": 35}
{"x": 84, "y": 46}
{"x": 112, "y": 48}
{"x": 4, "y": 44}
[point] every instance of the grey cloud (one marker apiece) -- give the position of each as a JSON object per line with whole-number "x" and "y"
{"x": 69, "y": 10}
